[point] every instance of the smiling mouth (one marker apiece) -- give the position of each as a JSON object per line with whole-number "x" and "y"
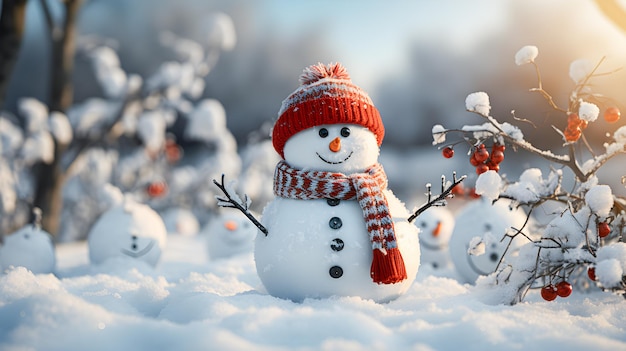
{"x": 336, "y": 162}
{"x": 144, "y": 251}
{"x": 473, "y": 266}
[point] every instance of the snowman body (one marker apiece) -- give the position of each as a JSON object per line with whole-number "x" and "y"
{"x": 317, "y": 248}
{"x": 320, "y": 248}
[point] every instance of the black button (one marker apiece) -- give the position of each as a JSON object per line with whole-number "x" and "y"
{"x": 337, "y": 244}
{"x": 335, "y": 272}
{"x": 335, "y": 223}
{"x": 332, "y": 202}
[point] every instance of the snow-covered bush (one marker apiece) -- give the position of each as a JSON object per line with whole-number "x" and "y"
{"x": 154, "y": 137}
{"x": 581, "y": 242}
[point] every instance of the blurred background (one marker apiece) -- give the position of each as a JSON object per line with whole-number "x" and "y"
{"x": 418, "y": 61}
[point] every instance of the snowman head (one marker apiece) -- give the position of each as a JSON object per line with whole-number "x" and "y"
{"x": 328, "y": 123}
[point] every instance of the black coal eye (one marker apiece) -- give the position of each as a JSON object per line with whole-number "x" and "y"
{"x": 345, "y": 131}
{"x": 323, "y": 132}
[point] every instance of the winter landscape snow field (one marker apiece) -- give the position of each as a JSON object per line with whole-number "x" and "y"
{"x": 191, "y": 303}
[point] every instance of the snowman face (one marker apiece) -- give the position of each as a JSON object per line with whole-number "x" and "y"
{"x": 131, "y": 230}
{"x": 490, "y": 223}
{"x": 345, "y": 148}
{"x": 435, "y": 228}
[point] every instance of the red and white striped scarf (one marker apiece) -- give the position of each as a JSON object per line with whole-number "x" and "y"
{"x": 367, "y": 188}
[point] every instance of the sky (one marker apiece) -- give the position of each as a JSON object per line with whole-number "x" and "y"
{"x": 371, "y": 33}
{"x": 373, "y": 38}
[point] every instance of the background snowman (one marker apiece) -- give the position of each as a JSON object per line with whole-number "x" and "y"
{"x": 333, "y": 227}
{"x": 478, "y": 239}
{"x": 30, "y": 247}
{"x": 436, "y": 225}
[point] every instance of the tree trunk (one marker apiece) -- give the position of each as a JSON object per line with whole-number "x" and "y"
{"x": 63, "y": 49}
{"x": 12, "y": 21}
{"x": 50, "y": 177}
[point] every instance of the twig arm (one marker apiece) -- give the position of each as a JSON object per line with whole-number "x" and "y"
{"x": 439, "y": 200}
{"x": 233, "y": 201}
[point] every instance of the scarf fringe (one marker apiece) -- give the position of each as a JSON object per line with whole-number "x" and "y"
{"x": 388, "y": 268}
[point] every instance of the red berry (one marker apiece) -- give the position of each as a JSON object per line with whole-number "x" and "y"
{"x": 612, "y": 114}
{"x": 473, "y": 161}
{"x": 497, "y": 156}
{"x": 572, "y": 134}
{"x": 548, "y": 292}
{"x": 156, "y": 189}
{"x": 458, "y": 189}
{"x": 498, "y": 146}
{"x": 448, "y": 152}
{"x": 564, "y": 289}
{"x": 603, "y": 229}
{"x": 481, "y": 154}
{"x": 573, "y": 120}
{"x": 473, "y": 195}
{"x": 591, "y": 273}
{"x": 481, "y": 168}
{"x": 493, "y": 166}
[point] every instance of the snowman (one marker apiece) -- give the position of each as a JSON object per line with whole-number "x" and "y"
{"x": 130, "y": 229}
{"x": 29, "y": 247}
{"x": 436, "y": 225}
{"x": 228, "y": 234}
{"x": 476, "y": 244}
{"x": 333, "y": 228}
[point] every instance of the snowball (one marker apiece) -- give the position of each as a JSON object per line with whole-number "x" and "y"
{"x": 478, "y": 102}
{"x": 588, "y": 111}
{"x": 35, "y": 112}
{"x": 620, "y": 135}
{"x": 476, "y": 246}
{"x": 11, "y": 136}
{"x": 488, "y": 185}
{"x": 438, "y": 134}
{"x": 579, "y": 70}
{"x": 532, "y": 176}
{"x": 512, "y": 131}
{"x": 8, "y": 195}
{"x": 207, "y": 122}
{"x": 600, "y": 200}
{"x": 60, "y": 127}
{"x": 525, "y": 55}
{"x": 107, "y": 68}
{"x": 187, "y": 50}
{"x": 151, "y": 130}
{"x": 38, "y": 147}
{"x": 221, "y": 31}
{"x": 487, "y": 130}
{"x": 613, "y": 251}
{"x": 609, "y": 273}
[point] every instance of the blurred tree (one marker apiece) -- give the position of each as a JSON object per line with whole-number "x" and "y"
{"x": 62, "y": 38}
{"x": 12, "y": 19}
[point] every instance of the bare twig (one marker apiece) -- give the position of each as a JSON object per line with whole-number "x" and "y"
{"x": 235, "y": 204}
{"x": 437, "y": 201}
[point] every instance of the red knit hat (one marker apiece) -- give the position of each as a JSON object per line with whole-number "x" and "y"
{"x": 326, "y": 96}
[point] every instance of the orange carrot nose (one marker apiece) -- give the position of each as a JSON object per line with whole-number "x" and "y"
{"x": 437, "y": 229}
{"x": 230, "y": 225}
{"x": 335, "y": 145}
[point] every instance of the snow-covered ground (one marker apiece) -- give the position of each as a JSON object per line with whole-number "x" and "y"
{"x": 191, "y": 303}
